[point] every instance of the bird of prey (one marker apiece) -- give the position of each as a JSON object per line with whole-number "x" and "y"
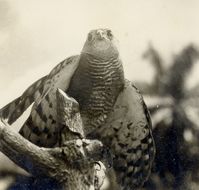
{"x": 95, "y": 79}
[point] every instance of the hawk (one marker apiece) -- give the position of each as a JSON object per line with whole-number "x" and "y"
{"x": 112, "y": 110}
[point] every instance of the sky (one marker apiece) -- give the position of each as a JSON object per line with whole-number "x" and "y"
{"x": 35, "y": 35}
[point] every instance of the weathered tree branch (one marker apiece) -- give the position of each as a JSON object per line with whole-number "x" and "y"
{"x": 71, "y": 166}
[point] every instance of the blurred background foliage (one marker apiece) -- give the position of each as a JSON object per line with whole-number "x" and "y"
{"x": 174, "y": 110}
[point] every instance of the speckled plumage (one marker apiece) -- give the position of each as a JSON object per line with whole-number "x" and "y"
{"x": 128, "y": 132}
{"x": 111, "y": 109}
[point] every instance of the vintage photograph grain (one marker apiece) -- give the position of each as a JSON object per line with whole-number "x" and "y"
{"x": 99, "y": 95}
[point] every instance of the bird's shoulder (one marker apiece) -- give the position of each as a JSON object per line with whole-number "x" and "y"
{"x": 60, "y": 76}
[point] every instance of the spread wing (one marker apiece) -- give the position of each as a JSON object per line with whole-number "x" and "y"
{"x": 37, "y": 91}
{"x": 13, "y": 110}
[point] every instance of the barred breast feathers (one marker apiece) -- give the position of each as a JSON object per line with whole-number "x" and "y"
{"x": 96, "y": 85}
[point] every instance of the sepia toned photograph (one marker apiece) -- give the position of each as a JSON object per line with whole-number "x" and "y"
{"x": 99, "y": 95}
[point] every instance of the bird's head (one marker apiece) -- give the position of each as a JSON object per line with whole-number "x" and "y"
{"x": 100, "y": 43}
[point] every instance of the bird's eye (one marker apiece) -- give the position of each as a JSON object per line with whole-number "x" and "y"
{"x": 90, "y": 37}
{"x": 109, "y": 34}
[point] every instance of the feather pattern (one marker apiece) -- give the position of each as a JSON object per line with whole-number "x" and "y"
{"x": 128, "y": 132}
{"x": 12, "y": 111}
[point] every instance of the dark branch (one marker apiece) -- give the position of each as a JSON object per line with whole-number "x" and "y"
{"x": 71, "y": 165}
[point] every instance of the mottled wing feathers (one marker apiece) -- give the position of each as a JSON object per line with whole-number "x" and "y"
{"x": 40, "y": 135}
{"x": 12, "y": 111}
{"x": 128, "y": 131}
{"x": 59, "y": 77}
{"x": 37, "y": 91}
{"x": 42, "y": 128}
